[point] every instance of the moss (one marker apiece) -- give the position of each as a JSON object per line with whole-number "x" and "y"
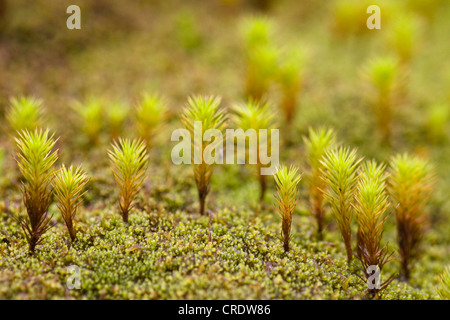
{"x": 174, "y": 257}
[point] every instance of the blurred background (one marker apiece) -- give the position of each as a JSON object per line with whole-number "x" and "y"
{"x": 336, "y": 70}
{"x": 178, "y": 48}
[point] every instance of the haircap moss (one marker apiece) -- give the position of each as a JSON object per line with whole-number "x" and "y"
{"x": 286, "y": 180}
{"x": 205, "y": 110}
{"x": 410, "y": 186}
{"x": 371, "y": 204}
{"x": 318, "y": 142}
{"x": 129, "y": 161}
{"x": 340, "y": 173}
{"x": 256, "y": 116}
{"x": 35, "y": 159}
{"x": 68, "y": 189}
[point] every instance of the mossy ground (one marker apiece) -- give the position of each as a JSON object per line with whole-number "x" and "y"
{"x": 168, "y": 251}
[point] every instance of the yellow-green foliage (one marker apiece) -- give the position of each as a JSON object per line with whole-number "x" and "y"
{"x": 340, "y": 174}
{"x": 187, "y": 31}
{"x": 382, "y": 73}
{"x": 256, "y": 116}
{"x": 286, "y": 181}
{"x": 371, "y": 204}
{"x": 349, "y": 16}
{"x": 35, "y": 159}
{"x": 68, "y": 189}
{"x": 117, "y": 112}
{"x": 91, "y": 122}
{"x": 290, "y": 77}
{"x": 25, "y": 113}
{"x": 403, "y": 36}
{"x": 129, "y": 161}
{"x": 261, "y": 56}
{"x": 151, "y": 113}
{"x": 427, "y": 8}
{"x": 444, "y": 290}
{"x": 410, "y": 186}
{"x": 262, "y": 63}
{"x": 438, "y": 120}
{"x": 204, "y": 110}
{"x": 256, "y": 31}
{"x": 317, "y": 144}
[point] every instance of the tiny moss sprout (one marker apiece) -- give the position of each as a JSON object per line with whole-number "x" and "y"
{"x": 340, "y": 174}
{"x": 287, "y": 180}
{"x": 35, "y": 159}
{"x": 150, "y": 115}
{"x": 371, "y": 204}
{"x": 206, "y": 111}
{"x": 253, "y": 115}
{"x": 129, "y": 161}
{"x": 25, "y": 113}
{"x": 410, "y": 186}
{"x": 317, "y": 144}
{"x": 68, "y": 189}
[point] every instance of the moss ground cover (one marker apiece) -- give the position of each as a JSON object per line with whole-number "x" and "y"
{"x": 167, "y": 250}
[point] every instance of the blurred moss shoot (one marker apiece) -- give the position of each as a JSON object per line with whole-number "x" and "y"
{"x": 129, "y": 162}
{"x": 340, "y": 173}
{"x": 286, "y": 181}
{"x": 290, "y": 78}
{"x": 403, "y": 36}
{"x": 317, "y": 144}
{"x": 261, "y": 56}
{"x": 25, "y": 113}
{"x": 382, "y": 73}
{"x": 349, "y": 16}
{"x": 187, "y": 32}
{"x": 205, "y": 110}
{"x": 68, "y": 189}
{"x": 35, "y": 159}
{"x": 151, "y": 112}
{"x": 92, "y": 123}
{"x": 437, "y": 123}
{"x": 253, "y": 115}
{"x": 117, "y": 113}
{"x": 371, "y": 204}
{"x": 410, "y": 186}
